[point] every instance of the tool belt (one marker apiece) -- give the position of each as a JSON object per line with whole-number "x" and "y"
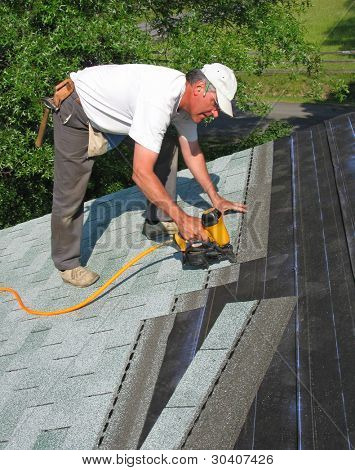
{"x": 97, "y": 145}
{"x": 61, "y": 92}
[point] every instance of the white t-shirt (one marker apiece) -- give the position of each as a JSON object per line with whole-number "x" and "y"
{"x": 135, "y": 99}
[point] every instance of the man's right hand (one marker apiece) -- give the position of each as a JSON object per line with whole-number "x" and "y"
{"x": 191, "y": 228}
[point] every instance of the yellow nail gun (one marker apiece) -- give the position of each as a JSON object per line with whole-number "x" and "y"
{"x": 202, "y": 254}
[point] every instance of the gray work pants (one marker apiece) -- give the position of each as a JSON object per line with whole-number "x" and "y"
{"x": 72, "y": 170}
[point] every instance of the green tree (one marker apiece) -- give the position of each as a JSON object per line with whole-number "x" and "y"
{"x": 41, "y": 42}
{"x": 247, "y": 35}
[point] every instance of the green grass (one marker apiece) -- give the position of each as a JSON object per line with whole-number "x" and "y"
{"x": 330, "y": 24}
{"x": 301, "y": 88}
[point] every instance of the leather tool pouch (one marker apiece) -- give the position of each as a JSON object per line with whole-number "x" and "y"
{"x": 98, "y": 144}
{"x": 62, "y": 91}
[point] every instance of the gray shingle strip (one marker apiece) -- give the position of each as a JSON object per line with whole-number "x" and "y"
{"x": 223, "y": 275}
{"x": 4, "y": 233}
{"x": 237, "y": 155}
{"x": 63, "y": 331}
{"x": 125, "y": 285}
{"x": 216, "y": 266}
{"x": 51, "y": 439}
{"x": 151, "y": 269}
{"x": 160, "y": 304}
{"x": 73, "y": 336}
{"x": 34, "y": 340}
{"x": 219, "y": 180}
{"x": 234, "y": 183}
{"x": 41, "y": 368}
{"x": 10, "y": 380}
{"x": 71, "y": 381}
{"x": 194, "y": 205}
{"x": 190, "y": 301}
{"x": 16, "y": 257}
{"x": 82, "y": 417}
{"x": 169, "y": 432}
{"x": 200, "y": 378}
{"x": 110, "y": 369}
{"x": 191, "y": 280}
{"x": 255, "y": 229}
{"x": 219, "y": 424}
{"x": 110, "y": 362}
{"x": 99, "y": 378}
{"x": 170, "y": 269}
{"x": 88, "y": 353}
{"x": 127, "y": 420}
{"x": 237, "y": 164}
{"x": 229, "y": 325}
{"x": 232, "y": 220}
{"x": 18, "y": 247}
{"x": 221, "y": 164}
{"x": 149, "y": 302}
{"x": 184, "y": 186}
{"x": 17, "y": 336}
{"x": 20, "y": 279}
{"x": 126, "y": 200}
{"x": 4, "y": 260}
{"x": 13, "y": 410}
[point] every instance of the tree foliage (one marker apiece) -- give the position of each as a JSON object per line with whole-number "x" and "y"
{"x": 247, "y": 35}
{"x": 41, "y": 42}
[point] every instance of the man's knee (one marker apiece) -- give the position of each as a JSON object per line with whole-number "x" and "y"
{"x": 67, "y": 212}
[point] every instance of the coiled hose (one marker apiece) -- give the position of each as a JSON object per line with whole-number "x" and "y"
{"x": 93, "y": 296}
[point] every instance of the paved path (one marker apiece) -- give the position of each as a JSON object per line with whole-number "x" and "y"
{"x": 299, "y": 115}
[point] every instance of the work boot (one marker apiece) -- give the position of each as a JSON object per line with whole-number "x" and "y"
{"x": 159, "y": 231}
{"x": 79, "y": 276}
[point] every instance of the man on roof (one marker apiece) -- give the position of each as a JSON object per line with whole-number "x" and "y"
{"x": 112, "y": 101}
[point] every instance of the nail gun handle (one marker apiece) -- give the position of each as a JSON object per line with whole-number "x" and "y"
{"x": 212, "y": 221}
{"x": 42, "y": 128}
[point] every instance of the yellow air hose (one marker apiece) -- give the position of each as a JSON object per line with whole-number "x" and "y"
{"x": 92, "y": 296}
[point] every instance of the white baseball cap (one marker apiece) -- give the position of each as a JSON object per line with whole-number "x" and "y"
{"x": 225, "y": 83}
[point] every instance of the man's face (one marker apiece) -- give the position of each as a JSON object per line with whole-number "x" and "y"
{"x": 203, "y": 104}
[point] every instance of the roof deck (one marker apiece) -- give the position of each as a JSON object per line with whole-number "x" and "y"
{"x": 173, "y": 358}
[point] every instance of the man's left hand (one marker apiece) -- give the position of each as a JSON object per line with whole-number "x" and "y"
{"x": 224, "y": 205}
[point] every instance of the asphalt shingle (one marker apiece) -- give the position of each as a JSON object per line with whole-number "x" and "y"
{"x": 254, "y": 237}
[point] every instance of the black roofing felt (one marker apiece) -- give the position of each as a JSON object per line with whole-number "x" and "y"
{"x": 307, "y": 397}
{"x": 341, "y": 136}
